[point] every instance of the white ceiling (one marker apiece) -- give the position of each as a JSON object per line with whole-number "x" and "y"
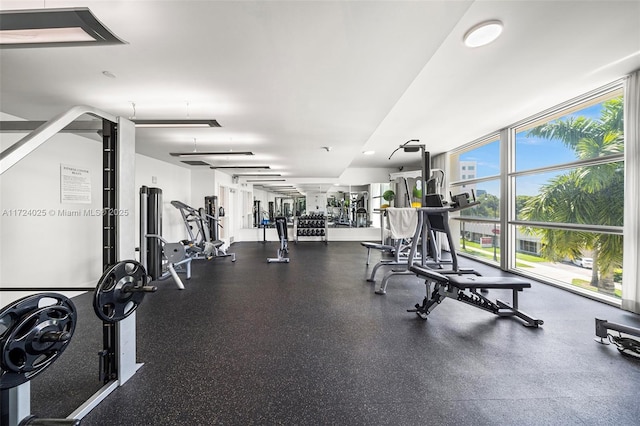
{"x": 286, "y": 78}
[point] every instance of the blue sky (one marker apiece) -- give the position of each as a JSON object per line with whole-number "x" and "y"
{"x": 531, "y": 153}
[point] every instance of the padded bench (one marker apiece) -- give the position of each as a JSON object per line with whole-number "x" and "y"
{"x": 377, "y": 246}
{"x": 464, "y": 288}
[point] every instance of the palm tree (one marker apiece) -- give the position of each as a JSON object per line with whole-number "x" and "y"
{"x": 585, "y": 195}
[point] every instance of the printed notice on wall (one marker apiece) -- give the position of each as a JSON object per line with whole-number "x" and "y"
{"x": 75, "y": 184}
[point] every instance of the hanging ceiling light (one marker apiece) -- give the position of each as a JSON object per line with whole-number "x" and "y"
{"x": 483, "y": 33}
{"x": 207, "y": 153}
{"x": 173, "y": 122}
{"x": 176, "y": 123}
{"x": 257, "y": 175}
{"x": 241, "y": 167}
{"x": 75, "y": 26}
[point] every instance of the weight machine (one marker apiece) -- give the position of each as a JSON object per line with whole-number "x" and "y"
{"x": 402, "y": 222}
{"x": 202, "y": 227}
{"x": 118, "y": 358}
{"x": 159, "y": 257}
{"x": 283, "y": 250}
{"x": 36, "y": 329}
{"x": 403, "y": 241}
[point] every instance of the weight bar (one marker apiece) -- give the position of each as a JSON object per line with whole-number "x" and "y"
{"x": 34, "y": 331}
{"x": 120, "y": 291}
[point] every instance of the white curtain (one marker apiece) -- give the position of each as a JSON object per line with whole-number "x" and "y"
{"x": 440, "y": 162}
{"x": 631, "y": 265}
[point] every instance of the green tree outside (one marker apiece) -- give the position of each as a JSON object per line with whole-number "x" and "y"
{"x": 590, "y": 195}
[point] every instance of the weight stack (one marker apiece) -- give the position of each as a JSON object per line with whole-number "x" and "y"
{"x": 151, "y": 223}
{"x": 154, "y": 226}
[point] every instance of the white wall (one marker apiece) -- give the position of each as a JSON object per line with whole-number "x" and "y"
{"x": 365, "y": 176}
{"x": 203, "y": 184}
{"x": 175, "y": 183}
{"x": 44, "y": 242}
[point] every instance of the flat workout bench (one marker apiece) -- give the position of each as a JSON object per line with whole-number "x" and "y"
{"x": 464, "y": 288}
{"x": 384, "y": 248}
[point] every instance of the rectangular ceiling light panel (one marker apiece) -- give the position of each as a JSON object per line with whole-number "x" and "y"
{"x": 241, "y": 167}
{"x": 257, "y": 175}
{"x": 206, "y": 153}
{"x": 52, "y": 28}
{"x": 176, "y": 123}
{"x": 194, "y": 162}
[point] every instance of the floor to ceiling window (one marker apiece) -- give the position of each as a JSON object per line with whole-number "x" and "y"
{"x": 568, "y": 182}
{"x": 559, "y": 198}
{"x": 476, "y": 171}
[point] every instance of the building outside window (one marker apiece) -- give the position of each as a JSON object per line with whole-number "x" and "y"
{"x": 478, "y": 227}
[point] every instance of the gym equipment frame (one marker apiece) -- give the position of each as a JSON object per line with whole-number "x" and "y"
{"x": 160, "y": 258}
{"x": 626, "y": 345}
{"x": 118, "y": 137}
{"x": 313, "y": 225}
{"x": 204, "y": 243}
{"x": 464, "y": 288}
{"x": 431, "y": 222}
{"x": 34, "y": 331}
{"x": 283, "y": 250}
{"x": 458, "y": 284}
{"x": 400, "y": 226}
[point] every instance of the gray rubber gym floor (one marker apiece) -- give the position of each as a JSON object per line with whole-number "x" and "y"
{"x": 310, "y": 343}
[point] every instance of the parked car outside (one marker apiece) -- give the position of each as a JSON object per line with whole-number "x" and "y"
{"x": 584, "y": 262}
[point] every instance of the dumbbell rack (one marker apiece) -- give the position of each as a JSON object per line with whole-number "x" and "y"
{"x": 314, "y": 226}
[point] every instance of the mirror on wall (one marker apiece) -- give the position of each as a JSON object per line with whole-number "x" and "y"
{"x": 350, "y": 207}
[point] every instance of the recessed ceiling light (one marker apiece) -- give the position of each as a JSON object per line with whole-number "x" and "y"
{"x": 483, "y": 33}
{"x": 368, "y": 152}
{"x": 75, "y": 26}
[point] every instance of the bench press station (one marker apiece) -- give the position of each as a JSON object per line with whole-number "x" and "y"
{"x": 459, "y": 284}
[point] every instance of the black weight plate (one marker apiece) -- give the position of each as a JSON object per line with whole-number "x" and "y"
{"x": 25, "y": 350}
{"x": 111, "y": 302}
{"x": 11, "y": 314}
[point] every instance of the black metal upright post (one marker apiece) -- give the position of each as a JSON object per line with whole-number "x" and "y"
{"x": 108, "y": 364}
{"x": 154, "y": 226}
{"x": 426, "y": 173}
{"x": 211, "y": 209}
{"x": 4, "y": 407}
